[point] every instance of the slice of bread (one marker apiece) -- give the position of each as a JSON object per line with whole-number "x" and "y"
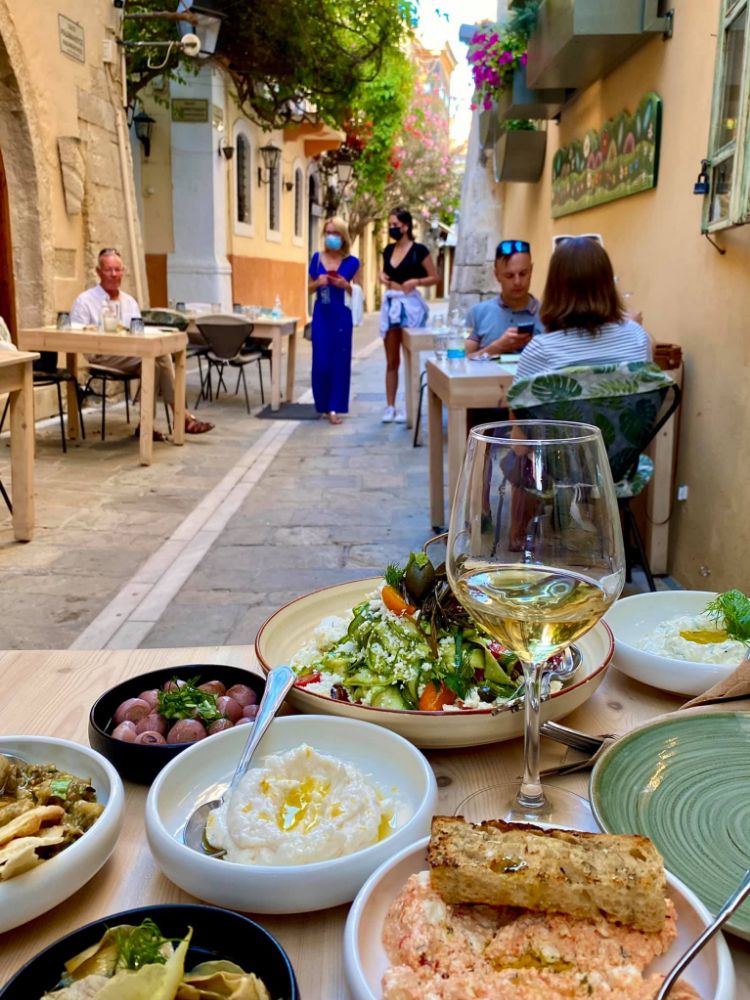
{"x": 515, "y": 864}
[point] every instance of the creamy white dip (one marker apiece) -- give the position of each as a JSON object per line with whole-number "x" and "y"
{"x": 666, "y": 640}
{"x": 301, "y": 806}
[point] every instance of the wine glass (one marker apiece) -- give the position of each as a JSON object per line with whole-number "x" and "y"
{"x": 535, "y": 555}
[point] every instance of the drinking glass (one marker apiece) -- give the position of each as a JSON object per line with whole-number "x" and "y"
{"x": 440, "y": 337}
{"x": 535, "y": 555}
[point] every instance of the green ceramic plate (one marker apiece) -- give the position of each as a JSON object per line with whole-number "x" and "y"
{"x": 685, "y": 783}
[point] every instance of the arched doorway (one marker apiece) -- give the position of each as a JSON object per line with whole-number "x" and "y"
{"x": 7, "y": 285}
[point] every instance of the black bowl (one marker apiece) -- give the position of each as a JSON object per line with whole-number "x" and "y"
{"x": 217, "y": 934}
{"x": 138, "y": 762}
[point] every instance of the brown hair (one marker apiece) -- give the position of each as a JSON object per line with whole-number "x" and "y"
{"x": 580, "y": 290}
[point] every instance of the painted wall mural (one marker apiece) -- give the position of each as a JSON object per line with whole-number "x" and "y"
{"x": 617, "y": 160}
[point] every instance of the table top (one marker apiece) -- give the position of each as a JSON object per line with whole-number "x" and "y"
{"x": 10, "y": 358}
{"x": 59, "y": 707}
{"x": 153, "y": 342}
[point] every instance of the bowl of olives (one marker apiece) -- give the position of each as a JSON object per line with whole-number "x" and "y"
{"x": 141, "y": 724}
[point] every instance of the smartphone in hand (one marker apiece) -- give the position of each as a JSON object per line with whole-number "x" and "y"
{"x": 526, "y": 328}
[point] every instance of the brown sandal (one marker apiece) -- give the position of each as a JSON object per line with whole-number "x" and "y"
{"x": 194, "y": 426}
{"x": 155, "y": 435}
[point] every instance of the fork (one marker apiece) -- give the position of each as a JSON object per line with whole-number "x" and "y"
{"x": 573, "y": 738}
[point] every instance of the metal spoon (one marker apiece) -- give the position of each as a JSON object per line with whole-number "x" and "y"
{"x": 722, "y": 916}
{"x": 570, "y": 662}
{"x": 14, "y": 761}
{"x": 278, "y": 683}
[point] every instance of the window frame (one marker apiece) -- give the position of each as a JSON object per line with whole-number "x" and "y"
{"x": 298, "y": 204}
{"x": 273, "y": 197}
{"x": 242, "y": 131}
{"x": 739, "y": 194}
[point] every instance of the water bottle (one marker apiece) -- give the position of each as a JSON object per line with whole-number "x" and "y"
{"x": 277, "y": 312}
{"x": 457, "y": 349}
{"x": 325, "y": 295}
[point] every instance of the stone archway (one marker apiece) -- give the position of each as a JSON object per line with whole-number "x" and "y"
{"x": 26, "y": 203}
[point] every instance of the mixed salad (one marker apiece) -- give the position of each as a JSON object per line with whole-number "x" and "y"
{"x": 409, "y": 645}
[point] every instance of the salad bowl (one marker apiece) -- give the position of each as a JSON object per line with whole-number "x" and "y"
{"x": 290, "y": 628}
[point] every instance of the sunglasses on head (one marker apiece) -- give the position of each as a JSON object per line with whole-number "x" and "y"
{"x": 506, "y": 248}
{"x": 563, "y": 238}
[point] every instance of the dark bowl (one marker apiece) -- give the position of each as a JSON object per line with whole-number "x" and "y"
{"x": 217, "y": 934}
{"x": 134, "y": 761}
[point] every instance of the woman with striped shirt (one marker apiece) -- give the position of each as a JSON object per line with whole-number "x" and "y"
{"x": 583, "y": 314}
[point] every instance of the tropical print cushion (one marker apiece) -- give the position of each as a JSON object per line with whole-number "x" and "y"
{"x": 623, "y": 401}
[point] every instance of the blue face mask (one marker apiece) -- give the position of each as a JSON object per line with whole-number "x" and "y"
{"x": 333, "y": 241}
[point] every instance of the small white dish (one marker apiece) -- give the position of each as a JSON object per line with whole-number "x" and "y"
{"x": 36, "y": 891}
{"x": 365, "y": 960}
{"x": 200, "y": 773}
{"x": 631, "y": 618}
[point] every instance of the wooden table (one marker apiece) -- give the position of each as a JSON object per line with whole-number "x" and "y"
{"x": 413, "y": 342}
{"x": 72, "y": 681}
{"x": 268, "y": 328}
{"x": 478, "y": 385}
{"x": 16, "y": 379}
{"x": 147, "y": 346}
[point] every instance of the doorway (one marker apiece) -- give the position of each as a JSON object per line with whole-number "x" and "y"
{"x": 7, "y": 288}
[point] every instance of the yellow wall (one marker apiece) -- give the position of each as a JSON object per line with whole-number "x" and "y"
{"x": 689, "y": 294}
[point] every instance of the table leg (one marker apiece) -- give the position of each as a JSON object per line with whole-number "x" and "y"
{"x": 435, "y": 426}
{"x": 456, "y": 449}
{"x": 411, "y": 391}
{"x": 276, "y": 369}
{"x": 22, "y": 457}
{"x": 178, "y": 427}
{"x": 147, "y": 410}
{"x": 291, "y": 364}
{"x": 71, "y": 390}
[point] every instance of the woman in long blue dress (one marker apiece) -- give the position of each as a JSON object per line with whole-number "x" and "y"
{"x": 332, "y": 272}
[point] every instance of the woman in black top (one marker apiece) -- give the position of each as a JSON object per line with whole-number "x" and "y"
{"x": 407, "y": 266}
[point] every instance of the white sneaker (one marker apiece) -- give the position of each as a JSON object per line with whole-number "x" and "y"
{"x": 389, "y": 414}
{"x": 400, "y": 417}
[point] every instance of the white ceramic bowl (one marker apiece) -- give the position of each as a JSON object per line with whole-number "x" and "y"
{"x": 365, "y": 960}
{"x": 199, "y": 773}
{"x": 36, "y": 891}
{"x": 286, "y": 631}
{"x": 630, "y": 618}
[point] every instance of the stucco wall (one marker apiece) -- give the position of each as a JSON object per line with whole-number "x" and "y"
{"x": 688, "y": 293}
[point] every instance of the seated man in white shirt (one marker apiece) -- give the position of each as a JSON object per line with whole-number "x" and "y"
{"x": 87, "y": 309}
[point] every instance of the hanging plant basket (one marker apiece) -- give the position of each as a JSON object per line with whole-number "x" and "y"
{"x": 519, "y": 156}
{"x": 521, "y": 101}
{"x": 489, "y": 127}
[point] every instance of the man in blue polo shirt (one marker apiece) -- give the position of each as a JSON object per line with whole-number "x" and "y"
{"x": 495, "y": 322}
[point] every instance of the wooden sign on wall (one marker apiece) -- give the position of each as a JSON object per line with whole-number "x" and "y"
{"x": 617, "y": 160}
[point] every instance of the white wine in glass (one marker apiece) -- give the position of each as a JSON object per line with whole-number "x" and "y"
{"x": 535, "y": 555}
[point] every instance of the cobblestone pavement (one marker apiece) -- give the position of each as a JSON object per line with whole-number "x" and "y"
{"x": 201, "y": 546}
{"x": 204, "y": 544}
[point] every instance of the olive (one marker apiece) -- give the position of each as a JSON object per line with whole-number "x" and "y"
{"x": 152, "y": 697}
{"x": 243, "y": 721}
{"x": 174, "y": 685}
{"x": 242, "y": 694}
{"x": 219, "y": 726}
{"x": 339, "y": 693}
{"x": 213, "y": 687}
{"x": 485, "y": 692}
{"x": 249, "y": 711}
{"x": 419, "y": 577}
{"x": 229, "y": 708}
{"x": 154, "y": 723}
{"x": 131, "y": 710}
{"x": 150, "y": 738}
{"x": 186, "y": 731}
{"x": 125, "y": 731}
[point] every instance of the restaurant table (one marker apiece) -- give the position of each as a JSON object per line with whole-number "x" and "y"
{"x": 16, "y": 379}
{"x": 152, "y": 343}
{"x": 268, "y": 328}
{"x": 413, "y": 342}
{"x": 476, "y": 385}
{"x": 60, "y": 705}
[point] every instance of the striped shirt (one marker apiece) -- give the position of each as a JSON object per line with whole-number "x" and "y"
{"x": 616, "y": 343}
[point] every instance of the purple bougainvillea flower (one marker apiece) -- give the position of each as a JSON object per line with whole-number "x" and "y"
{"x": 506, "y": 57}
{"x": 524, "y": 59}
{"x": 493, "y": 38}
{"x": 487, "y": 103}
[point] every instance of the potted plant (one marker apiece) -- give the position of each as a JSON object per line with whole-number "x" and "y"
{"x": 519, "y": 152}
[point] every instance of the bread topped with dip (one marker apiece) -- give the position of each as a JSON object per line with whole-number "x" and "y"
{"x": 589, "y": 875}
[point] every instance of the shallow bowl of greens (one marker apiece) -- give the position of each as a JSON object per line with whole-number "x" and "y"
{"x": 218, "y": 935}
{"x": 291, "y": 628}
{"x": 634, "y": 618}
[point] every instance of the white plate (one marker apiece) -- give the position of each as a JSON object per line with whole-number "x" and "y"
{"x": 365, "y": 960}
{"x": 36, "y": 891}
{"x": 286, "y": 631}
{"x": 631, "y": 618}
{"x": 201, "y": 772}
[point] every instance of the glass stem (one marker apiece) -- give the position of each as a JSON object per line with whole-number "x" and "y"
{"x": 531, "y": 794}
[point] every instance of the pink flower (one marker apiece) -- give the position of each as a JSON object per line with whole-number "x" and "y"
{"x": 523, "y": 59}
{"x": 487, "y": 103}
{"x": 474, "y": 107}
{"x": 505, "y": 58}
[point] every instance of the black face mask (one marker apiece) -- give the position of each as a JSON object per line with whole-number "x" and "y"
{"x": 395, "y": 232}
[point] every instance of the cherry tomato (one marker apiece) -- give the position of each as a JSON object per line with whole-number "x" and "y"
{"x": 306, "y": 679}
{"x": 435, "y": 696}
{"x": 395, "y": 602}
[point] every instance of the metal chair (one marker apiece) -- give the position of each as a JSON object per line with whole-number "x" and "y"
{"x": 225, "y": 335}
{"x": 105, "y": 375}
{"x": 45, "y": 372}
{"x": 629, "y": 403}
